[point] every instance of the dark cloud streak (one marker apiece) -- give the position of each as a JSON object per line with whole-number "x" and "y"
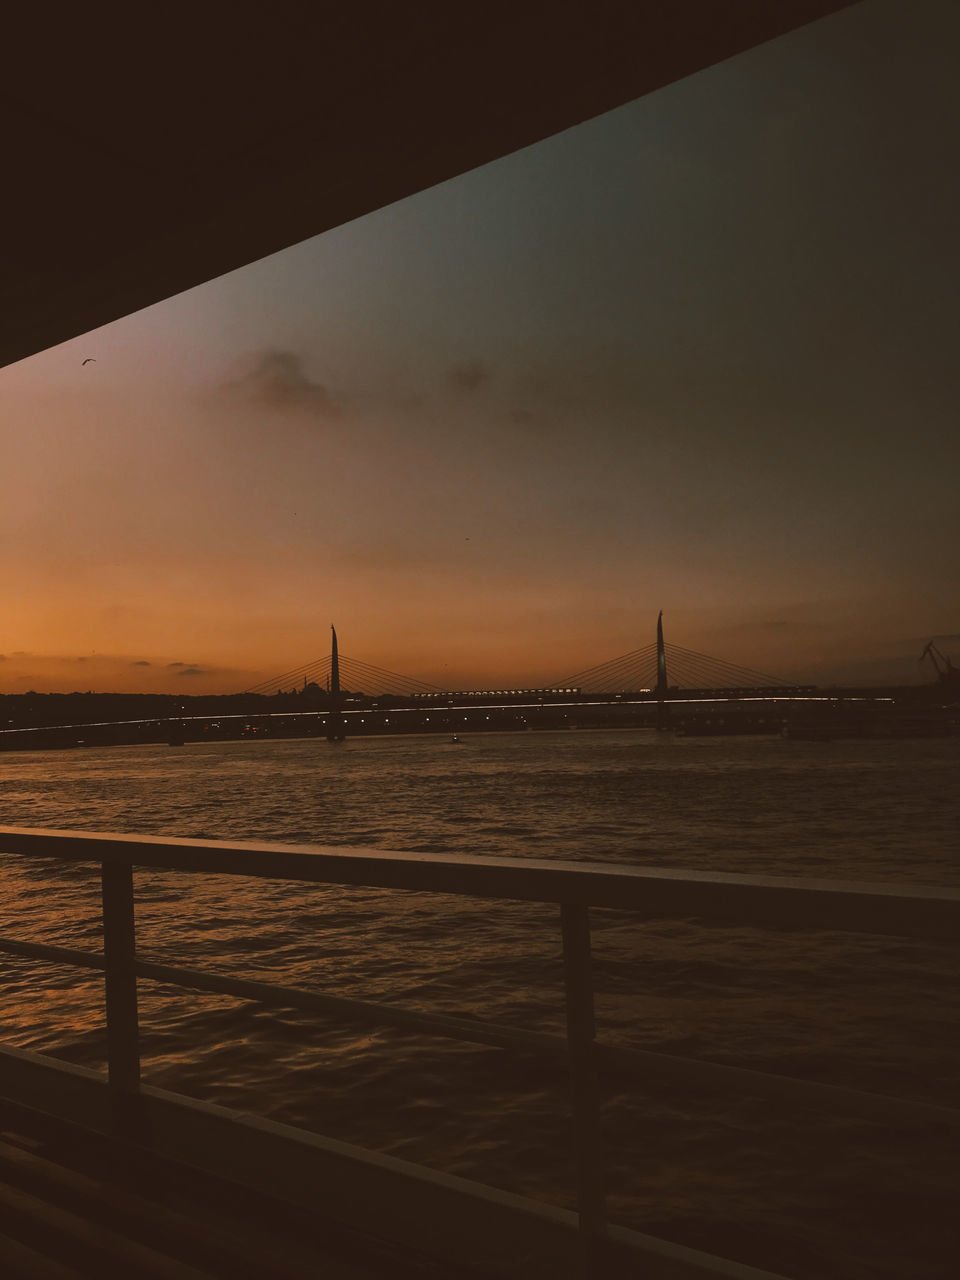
{"x": 278, "y": 379}
{"x": 469, "y": 376}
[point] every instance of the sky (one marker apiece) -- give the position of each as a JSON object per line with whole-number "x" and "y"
{"x": 698, "y": 355}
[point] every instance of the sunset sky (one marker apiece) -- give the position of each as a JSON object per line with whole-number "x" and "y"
{"x": 698, "y": 355}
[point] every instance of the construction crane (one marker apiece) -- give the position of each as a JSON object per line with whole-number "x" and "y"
{"x": 942, "y": 664}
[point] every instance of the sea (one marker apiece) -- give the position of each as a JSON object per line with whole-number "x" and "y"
{"x": 802, "y": 1190}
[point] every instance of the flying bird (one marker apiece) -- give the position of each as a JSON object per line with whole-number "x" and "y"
{"x": 89, "y": 360}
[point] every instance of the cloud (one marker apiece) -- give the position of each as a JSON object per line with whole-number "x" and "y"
{"x": 187, "y": 669}
{"x": 116, "y": 673}
{"x": 469, "y": 375}
{"x": 277, "y": 378}
{"x": 522, "y": 417}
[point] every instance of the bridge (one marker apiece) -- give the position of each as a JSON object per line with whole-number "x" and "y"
{"x": 334, "y": 696}
{"x": 641, "y": 673}
{"x": 630, "y": 690}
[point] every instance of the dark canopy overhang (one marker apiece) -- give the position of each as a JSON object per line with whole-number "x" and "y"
{"x": 147, "y": 153}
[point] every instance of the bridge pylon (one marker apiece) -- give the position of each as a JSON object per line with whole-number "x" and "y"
{"x": 336, "y": 725}
{"x": 663, "y": 712}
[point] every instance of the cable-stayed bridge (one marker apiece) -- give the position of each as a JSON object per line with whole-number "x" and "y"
{"x": 634, "y": 672}
{"x": 336, "y": 696}
{"x": 655, "y": 669}
{"x": 644, "y": 686}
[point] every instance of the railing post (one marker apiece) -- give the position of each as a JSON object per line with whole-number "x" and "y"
{"x": 578, "y": 980}
{"x": 119, "y": 950}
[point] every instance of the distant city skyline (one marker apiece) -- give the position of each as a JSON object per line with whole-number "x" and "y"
{"x": 697, "y": 355}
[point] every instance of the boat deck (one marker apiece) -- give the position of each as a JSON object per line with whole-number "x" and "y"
{"x": 73, "y": 1205}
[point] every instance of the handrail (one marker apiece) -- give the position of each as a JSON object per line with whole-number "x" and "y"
{"x": 926, "y": 912}
{"x": 918, "y": 911}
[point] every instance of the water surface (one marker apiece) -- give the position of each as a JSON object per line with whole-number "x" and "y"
{"x": 810, "y": 1194}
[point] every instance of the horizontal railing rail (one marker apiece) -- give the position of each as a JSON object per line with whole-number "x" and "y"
{"x": 621, "y": 1059}
{"x": 924, "y": 912}
{"x": 919, "y": 911}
